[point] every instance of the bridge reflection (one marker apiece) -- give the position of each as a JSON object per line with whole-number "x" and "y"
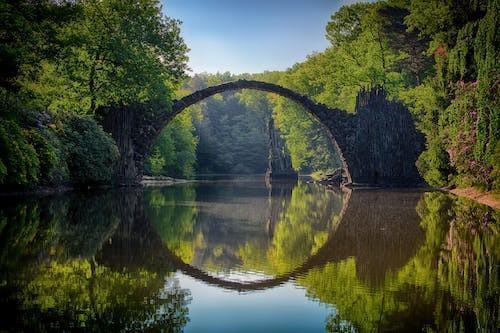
{"x": 67, "y": 260}
{"x": 380, "y": 229}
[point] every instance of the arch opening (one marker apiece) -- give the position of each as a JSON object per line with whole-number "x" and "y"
{"x": 317, "y": 111}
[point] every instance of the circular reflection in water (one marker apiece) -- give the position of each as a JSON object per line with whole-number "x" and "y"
{"x": 242, "y": 231}
{"x": 137, "y": 259}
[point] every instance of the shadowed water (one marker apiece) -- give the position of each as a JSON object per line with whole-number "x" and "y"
{"x": 237, "y": 256}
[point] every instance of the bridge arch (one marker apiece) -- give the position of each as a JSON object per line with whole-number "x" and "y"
{"x": 316, "y": 110}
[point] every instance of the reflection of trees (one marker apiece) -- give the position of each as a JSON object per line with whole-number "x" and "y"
{"x": 390, "y": 269}
{"x": 22, "y": 232}
{"x": 172, "y": 212}
{"x": 69, "y": 226}
{"x": 81, "y": 294}
{"x": 300, "y": 224}
{"x": 227, "y": 227}
{"x": 50, "y": 280}
{"x": 450, "y": 284}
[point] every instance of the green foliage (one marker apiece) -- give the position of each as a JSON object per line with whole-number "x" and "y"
{"x": 301, "y": 219}
{"x": 315, "y": 153}
{"x": 71, "y": 289}
{"x": 174, "y": 153}
{"x": 233, "y": 137}
{"x": 439, "y": 57}
{"x": 231, "y": 127}
{"x": 19, "y": 159}
{"x": 29, "y": 33}
{"x": 91, "y": 152}
{"x": 60, "y": 58}
{"x": 53, "y": 167}
{"x": 345, "y": 25}
{"x": 174, "y": 221}
{"x": 465, "y": 44}
{"x": 87, "y": 292}
{"x": 453, "y": 265}
{"x": 433, "y": 164}
{"x": 155, "y": 162}
{"x": 3, "y": 171}
{"x": 114, "y": 52}
{"x": 495, "y": 173}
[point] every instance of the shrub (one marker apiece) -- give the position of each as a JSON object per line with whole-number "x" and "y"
{"x": 433, "y": 164}
{"x": 53, "y": 167}
{"x": 155, "y": 163}
{"x": 91, "y": 153}
{"x": 20, "y": 163}
{"x": 495, "y": 162}
{"x": 3, "y": 171}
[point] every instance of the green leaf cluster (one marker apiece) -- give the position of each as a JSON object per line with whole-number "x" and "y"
{"x": 91, "y": 153}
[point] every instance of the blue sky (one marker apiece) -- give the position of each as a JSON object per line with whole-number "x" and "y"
{"x": 249, "y": 36}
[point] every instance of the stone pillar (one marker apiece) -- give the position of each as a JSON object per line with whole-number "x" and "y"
{"x": 386, "y": 143}
{"x": 120, "y": 124}
{"x": 280, "y": 163}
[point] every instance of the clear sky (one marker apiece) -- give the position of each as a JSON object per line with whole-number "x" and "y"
{"x": 249, "y": 36}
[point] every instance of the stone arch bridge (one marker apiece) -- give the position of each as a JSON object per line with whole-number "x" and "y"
{"x": 378, "y": 144}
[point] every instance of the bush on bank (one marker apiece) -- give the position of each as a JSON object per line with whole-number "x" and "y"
{"x": 91, "y": 153}
{"x": 76, "y": 151}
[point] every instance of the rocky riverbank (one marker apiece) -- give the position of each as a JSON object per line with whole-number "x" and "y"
{"x": 162, "y": 181}
{"x": 335, "y": 179}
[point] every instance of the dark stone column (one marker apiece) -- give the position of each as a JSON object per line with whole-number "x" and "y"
{"x": 120, "y": 123}
{"x": 280, "y": 163}
{"x": 385, "y": 143}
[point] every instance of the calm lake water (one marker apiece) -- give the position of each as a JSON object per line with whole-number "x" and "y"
{"x": 237, "y": 256}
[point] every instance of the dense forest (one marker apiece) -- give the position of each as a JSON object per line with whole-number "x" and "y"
{"x": 61, "y": 61}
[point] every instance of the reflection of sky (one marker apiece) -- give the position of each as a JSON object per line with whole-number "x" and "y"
{"x": 282, "y": 309}
{"x": 251, "y": 36}
{"x": 239, "y": 275}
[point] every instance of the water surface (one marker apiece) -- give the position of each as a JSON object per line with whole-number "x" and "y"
{"x": 237, "y": 256}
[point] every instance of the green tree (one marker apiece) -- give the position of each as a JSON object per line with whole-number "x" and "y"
{"x": 20, "y": 161}
{"x": 464, "y": 43}
{"x": 118, "y": 52}
{"x": 174, "y": 153}
{"x": 65, "y": 57}
{"x": 92, "y": 153}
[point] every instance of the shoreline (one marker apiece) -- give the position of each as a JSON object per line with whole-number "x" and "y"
{"x": 147, "y": 181}
{"x": 42, "y": 191}
{"x": 489, "y": 198}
